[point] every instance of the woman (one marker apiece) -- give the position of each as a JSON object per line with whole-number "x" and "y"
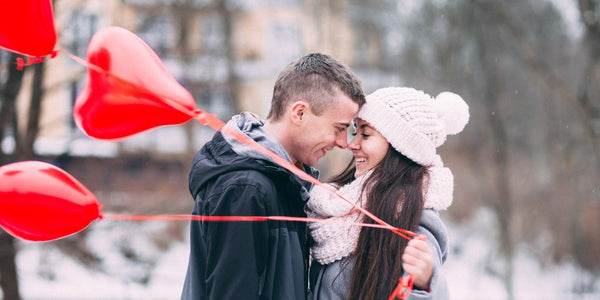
{"x": 397, "y": 175}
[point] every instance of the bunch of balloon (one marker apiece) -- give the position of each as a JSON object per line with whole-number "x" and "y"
{"x": 128, "y": 90}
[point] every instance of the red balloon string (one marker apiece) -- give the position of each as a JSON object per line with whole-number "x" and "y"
{"x": 211, "y": 120}
{"x": 403, "y": 289}
{"x": 405, "y": 284}
{"x": 236, "y": 219}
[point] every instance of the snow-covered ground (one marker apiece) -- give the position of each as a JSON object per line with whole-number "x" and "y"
{"x": 47, "y": 273}
{"x": 474, "y": 256}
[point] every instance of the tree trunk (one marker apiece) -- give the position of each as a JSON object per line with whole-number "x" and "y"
{"x": 8, "y": 98}
{"x": 25, "y": 145}
{"x": 24, "y": 151}
{"x": 502, "y": 205}
{"x": 232, "y": 79}
{"x": 8, "y": 272}
{"x": 501, "y": 200}
{"x": 587, "y": 93}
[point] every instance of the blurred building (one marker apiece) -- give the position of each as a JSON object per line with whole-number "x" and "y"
{"x": 226, "y": 53}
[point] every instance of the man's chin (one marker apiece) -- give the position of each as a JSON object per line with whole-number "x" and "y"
{"x": 312, "y": 162}
{"x": 315, "y": 161}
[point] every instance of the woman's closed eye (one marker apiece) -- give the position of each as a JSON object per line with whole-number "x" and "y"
{"x": 362, "y": 134}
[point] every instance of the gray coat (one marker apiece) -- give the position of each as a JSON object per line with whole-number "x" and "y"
{"x": 332, "y": 281}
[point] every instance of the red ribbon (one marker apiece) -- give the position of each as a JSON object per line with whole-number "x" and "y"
{"x": 242, "y": 219}
{"x": 405, "y": 283}
{"x": 403, "y": 289}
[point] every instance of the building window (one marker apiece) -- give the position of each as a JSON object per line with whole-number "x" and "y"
{"x": 79, "y": 31}
{"x": 286, "y": 43}
{"x": 213, "y": 34}
{"x": 157, "y": 32}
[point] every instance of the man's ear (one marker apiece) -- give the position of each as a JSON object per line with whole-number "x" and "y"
{"x": 298, "y": 111}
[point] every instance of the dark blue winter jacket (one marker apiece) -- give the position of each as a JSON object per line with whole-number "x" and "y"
{"x": 246, "y": 260}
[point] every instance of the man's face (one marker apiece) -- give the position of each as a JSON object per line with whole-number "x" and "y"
{"x": 319, "y": 134}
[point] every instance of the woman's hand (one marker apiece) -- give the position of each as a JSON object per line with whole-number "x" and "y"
{"x": 418, "y": 261}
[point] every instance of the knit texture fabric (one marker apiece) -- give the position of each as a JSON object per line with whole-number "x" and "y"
{"x": 414, "y": 124}
{"x": 439, "y": 186}
{"x": 334, "y": 241}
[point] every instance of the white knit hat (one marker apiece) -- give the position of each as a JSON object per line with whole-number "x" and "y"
{"x": 415, "y": 124}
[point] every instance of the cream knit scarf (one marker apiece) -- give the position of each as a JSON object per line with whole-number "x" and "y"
{"x": 334, "y": 241}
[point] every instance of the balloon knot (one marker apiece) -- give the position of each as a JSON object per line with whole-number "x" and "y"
{"x": 100, "y": 211}
{"x": 21, "y": 63}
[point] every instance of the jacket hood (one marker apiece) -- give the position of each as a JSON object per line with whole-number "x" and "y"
{"x": 224, "y": 154}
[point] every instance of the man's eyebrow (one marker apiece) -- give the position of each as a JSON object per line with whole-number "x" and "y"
{"x": 342, "y": 123}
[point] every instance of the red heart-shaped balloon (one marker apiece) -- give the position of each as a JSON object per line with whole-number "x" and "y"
{"x": 40, "y": 202}
{"x": 129, "y": 90}
{"x": 27, "y": 26}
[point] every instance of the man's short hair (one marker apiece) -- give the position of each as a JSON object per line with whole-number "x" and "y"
{"x": 314, "y": 78}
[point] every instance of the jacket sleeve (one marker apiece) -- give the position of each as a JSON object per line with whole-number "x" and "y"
{"x": 236, "y": 251}
{"x": 437, "y": 239}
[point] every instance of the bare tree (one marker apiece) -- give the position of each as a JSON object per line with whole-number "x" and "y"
{"x": 533, "y": 134}
{"x": 10, "y": 90}
{"x": 23, "y": 151}
{"x": 586, "y": 228}
{"x": 8, "y": 273}
{"x": 25, "y": 145}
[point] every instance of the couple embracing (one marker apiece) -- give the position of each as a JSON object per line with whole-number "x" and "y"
{"x": 395, "y": 174}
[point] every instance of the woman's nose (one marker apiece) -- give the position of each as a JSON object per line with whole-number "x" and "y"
{"x": 354, "y": 144}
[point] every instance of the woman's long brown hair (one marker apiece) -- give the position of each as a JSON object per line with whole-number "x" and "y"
{"x": 394, "y": 193}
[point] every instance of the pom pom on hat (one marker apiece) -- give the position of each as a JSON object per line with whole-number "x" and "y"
{"x": 453, "y": 110}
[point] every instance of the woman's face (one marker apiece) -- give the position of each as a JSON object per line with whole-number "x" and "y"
{"x": 369, "y": 147}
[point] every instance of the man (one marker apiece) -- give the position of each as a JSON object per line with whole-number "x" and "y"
{"x": 314, "y": 101}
